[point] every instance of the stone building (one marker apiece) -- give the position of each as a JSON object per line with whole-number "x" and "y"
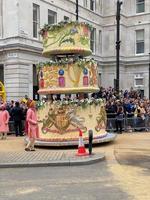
{"x": 21, "y": 46}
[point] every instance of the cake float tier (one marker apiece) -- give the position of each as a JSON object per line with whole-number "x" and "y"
{"x": 66, "y": 38}
{"x": 68, "y": 77}
{"x": 60, "y": 121}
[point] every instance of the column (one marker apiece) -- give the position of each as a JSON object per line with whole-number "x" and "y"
{"x": 18, "y": 80}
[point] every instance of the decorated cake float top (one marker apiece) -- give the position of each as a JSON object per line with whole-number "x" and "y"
{"x": 66, "y": 43}
{"x": 66, "y": 38}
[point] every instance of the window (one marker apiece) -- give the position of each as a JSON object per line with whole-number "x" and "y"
{"x": 98, "y": 6}
{"x": 2, "y": 73}
{"x": 92, "y": 5}
{"x": 138, "y": 80}
{"x": 52, "y": 17}
{"x": 92, "y": 40}
{"x": 36, "y": 20}
{"x": 66, "y": 19}
{"x": 100, "y": 42}
{"x": 139, "y": 41}
{"x": 99, "y": 80}
{"x": 140, "y": 6}
{"x": 85, "y": 3}
{"x": 35, "y": 83}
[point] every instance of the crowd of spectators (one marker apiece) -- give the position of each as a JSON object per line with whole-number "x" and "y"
{"x": 17, "y": 112}
{"x": 131, "y": 102}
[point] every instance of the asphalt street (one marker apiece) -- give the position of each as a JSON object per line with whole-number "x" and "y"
{"x": 91, "y": 182}
{"x": 124, "y": 175}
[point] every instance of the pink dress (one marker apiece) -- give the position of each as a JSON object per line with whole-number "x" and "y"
{"x": 33, "y": 131}
{"x": 4, "y": 119}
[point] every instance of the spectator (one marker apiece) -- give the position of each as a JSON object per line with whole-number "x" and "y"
{"x": 17, "y": 115}
{"x": 4, "y": 119}
{"x": 119, "y": 119}
{"x": 111, "y": 113}
{"x": 33, "y": 131}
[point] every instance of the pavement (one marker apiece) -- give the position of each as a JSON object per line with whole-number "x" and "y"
{"x": 127, "y": 149}
{"x": 12, "y": 154}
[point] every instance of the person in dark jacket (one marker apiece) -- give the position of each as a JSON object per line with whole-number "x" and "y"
{"x": 119, "y": 119}
{"x": 17, "y": 115}
{"x": 111, "y": 114}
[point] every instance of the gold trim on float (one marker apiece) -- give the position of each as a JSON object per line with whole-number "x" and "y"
{"x": 79, "y": 51}
{"x": 68, "y": 90}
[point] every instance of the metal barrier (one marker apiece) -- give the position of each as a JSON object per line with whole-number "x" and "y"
{"x": 130, "y": 124}
{"x": 11, "y": 127}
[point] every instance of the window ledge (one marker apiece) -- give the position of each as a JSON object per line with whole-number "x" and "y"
{"x": 140, "y": 54}
{"x": 139, "y": 86}
{"x": 141, "y": 13}
{"x": 34, "y": 38}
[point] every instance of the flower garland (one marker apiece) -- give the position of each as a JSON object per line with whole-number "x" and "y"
{"x": 65, "y": 61}
{"x": 83, "y": 103}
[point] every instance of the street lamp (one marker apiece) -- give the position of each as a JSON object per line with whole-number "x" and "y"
{"x": 77, "y": 10}
{"x": 119, "y": 3}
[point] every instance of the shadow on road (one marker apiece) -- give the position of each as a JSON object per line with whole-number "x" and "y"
{"x": 133, "y": 158}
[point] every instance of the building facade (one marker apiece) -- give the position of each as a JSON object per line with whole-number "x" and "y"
{"x": 21, "y": 46}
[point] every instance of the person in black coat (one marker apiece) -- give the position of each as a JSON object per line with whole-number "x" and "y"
{"x": 119, "y": 119}
{"x": 17, "y": 115}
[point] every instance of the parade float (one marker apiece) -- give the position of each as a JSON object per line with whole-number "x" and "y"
{"x": 2, "y": 92}
{"x": 71, "y": 74}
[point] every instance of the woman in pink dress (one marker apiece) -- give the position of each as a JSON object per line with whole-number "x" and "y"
{"x": 4, "y": 119}
{"x": 33, "y": 131}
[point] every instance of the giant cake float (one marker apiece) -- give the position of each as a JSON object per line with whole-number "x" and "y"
{"x": 69, "y": 73}
{"x": 2, "y": 92}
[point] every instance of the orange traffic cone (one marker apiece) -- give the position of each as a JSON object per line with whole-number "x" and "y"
{"x": 81, "y": 147}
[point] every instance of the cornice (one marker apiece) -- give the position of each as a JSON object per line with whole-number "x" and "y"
{"x": 21, "y": 47}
